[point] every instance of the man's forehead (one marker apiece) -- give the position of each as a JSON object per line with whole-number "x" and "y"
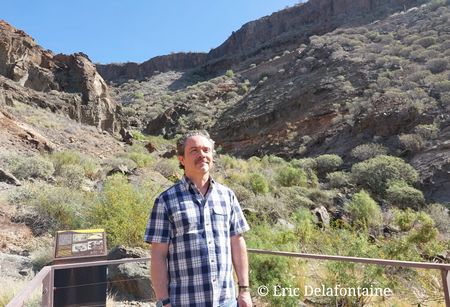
{"x": 198, "y": 141}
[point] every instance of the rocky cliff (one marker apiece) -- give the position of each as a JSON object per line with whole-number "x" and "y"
{"x": 257, "y": 40}
{"x": 177, "y": 61}
{"x": 71, "y": 80}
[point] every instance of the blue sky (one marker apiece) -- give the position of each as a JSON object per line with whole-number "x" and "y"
{"x": 133, "y": 30}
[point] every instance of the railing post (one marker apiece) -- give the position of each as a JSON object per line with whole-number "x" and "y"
{"x": 47, "y": 288}
{"x": 445, "y": 284}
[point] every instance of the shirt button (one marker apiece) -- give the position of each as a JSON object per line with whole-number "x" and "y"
{"x": 212, "y": 261}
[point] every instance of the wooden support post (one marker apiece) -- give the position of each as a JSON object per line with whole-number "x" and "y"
{"x": 445, "y": 284}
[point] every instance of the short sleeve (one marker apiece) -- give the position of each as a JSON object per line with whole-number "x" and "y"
{"x": 238, "y": 224}
{"x": 158, "y": 226}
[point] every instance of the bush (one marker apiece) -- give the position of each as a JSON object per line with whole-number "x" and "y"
{"x": 289, "y": 176}
{"x": 404, "y": 219}
{"x": 328, "y": 163}
{"x": 306, "y": 163}
{"x": 411, "y": 143}
{"x": 364, "y": 211}
{"x": 122, "y": 210}
{"x": 401, "y": 195}
{"x": 229, "y": 73}
{"x": 33, "y": 167}
{"x": 269, "y": 270}
{"x": 141, "y": 159}
{"x": 427, "y": 132}
{"x": 427, "y": 41}
{"x": 259, "y": 184}
{"x": 90, "y": 166}
{"x": 368, "y": 151}
{"x": 440, "y": 216}
{"x": 437, "y": 65}
{"x": 376, "y": 173}
{"x": 339, "y": 179}
{"x": 71, "y": 175}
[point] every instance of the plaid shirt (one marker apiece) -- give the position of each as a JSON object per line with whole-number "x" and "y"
{"x": 198, "y": 231}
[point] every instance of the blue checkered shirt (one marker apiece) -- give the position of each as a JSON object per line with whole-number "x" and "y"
{"x": 198, "y": 231}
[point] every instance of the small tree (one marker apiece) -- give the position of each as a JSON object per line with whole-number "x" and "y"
{"x": 375, "y": 174}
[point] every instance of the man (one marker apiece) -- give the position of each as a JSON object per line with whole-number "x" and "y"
{"x": 195, "y": 229}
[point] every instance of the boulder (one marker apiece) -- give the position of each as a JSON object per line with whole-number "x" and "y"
{"x": 130, "y": 281}
{"x": 322, "y": 216}
{"x": 15, "y": 267}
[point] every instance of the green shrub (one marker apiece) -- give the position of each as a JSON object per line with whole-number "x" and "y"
{"x": 440, "y": 216}
{"x": 401, "y": 195}
{"x": 268, "y": 270}
{"x": 437, "y": 65}
{"x": 259, "y": 184}
{"x": 138, "y": 135}
{"x": 71, "y": 175}
{"x": 289, "y": 176}
{"x": 32, "y": 167}
{"x": 375, "y": 174}
{"x": 339, "y": 179}
{"x": 368, "y": 151}
{"x": 364, "y": 211}
{"x": 306, "y": 163}
{"x": 229, "y": 73}
{"x": 91, "y": 166}
{"x": 427, "y": 132}
{"x": 328, "y": 163}
{"x": 412, "y": 143}
{"x": 404, "y": 219}
{"x": 424, "y": 230}
{"x": 122, "y": 210}
{"x": 426, "y": 41}
{"x": 141, "y": 159}
{"x": 58, "y": 208}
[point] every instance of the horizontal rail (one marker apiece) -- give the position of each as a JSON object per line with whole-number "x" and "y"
{"x": 97, "y": 263}
{"x": 39, "y": 278}
{"x": 385, "y": 262}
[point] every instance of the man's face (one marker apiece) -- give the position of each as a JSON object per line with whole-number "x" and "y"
{"x": 198, "y": 156}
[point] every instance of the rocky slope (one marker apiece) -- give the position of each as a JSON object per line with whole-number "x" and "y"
{"x": 368, "y": 81}
{"x": 70, "y": 81}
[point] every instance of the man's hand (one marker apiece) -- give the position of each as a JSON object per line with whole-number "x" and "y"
{"x": 244, "y": 299}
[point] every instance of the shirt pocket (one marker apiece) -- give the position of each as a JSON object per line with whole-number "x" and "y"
{"x": 220, "y": 218}
{"x": 184, "y": 222}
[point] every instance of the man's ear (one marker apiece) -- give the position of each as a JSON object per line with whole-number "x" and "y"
{"x": 181, "y": 159}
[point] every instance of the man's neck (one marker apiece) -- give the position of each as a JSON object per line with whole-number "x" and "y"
{"x": 201, "y": 182}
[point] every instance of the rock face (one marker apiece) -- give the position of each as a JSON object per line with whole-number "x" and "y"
{"x": 296, "y": 24}
{"x": 71, "y": 80}
{"x": 119, "y": 73}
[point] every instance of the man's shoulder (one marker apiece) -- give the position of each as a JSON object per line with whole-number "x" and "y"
{"x": 223, "y": 188}
{"x": 172, "y": 190}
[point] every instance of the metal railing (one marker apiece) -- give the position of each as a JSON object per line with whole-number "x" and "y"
{"x": 46, "y": 275}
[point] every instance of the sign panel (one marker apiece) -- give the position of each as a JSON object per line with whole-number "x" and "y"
{"x": 80, "y": 243}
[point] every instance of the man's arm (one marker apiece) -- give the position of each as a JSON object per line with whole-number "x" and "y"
{"x": 159, "y": 270}
{"x": 240, "y": 263}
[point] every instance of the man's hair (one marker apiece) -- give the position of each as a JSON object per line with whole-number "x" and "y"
{"x": 181, "y": 142}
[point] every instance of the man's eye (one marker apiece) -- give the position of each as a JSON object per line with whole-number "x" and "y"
{"x": 207, "y": 149}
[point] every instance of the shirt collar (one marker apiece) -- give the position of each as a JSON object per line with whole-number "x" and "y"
{"x": 188, "y": 182}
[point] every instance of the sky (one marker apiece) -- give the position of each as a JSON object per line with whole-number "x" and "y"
{"x": 117, "y": 31}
